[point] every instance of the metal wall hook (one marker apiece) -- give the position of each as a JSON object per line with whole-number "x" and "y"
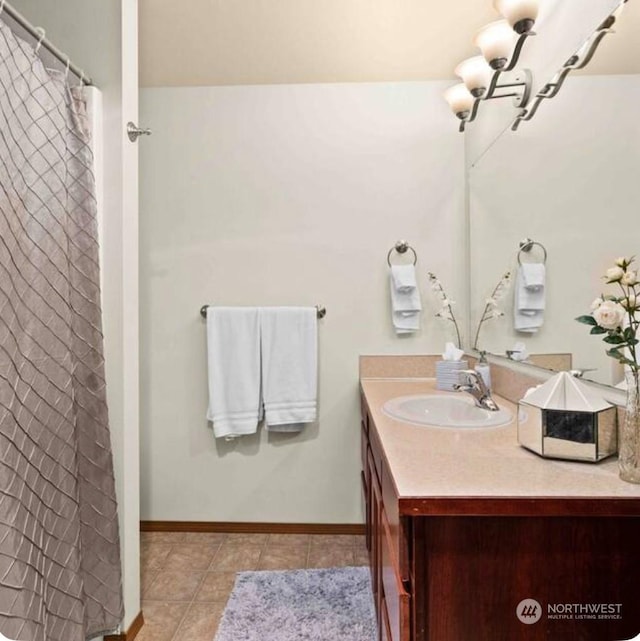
{"x": 134, "y": 132}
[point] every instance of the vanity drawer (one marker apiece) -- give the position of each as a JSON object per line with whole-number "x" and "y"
{"x": 395, "y": 597}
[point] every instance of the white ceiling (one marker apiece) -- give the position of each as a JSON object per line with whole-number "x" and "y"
{"x": 236, "y": 42}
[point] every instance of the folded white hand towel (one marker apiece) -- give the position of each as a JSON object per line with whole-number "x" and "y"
{"x": 233, "y": 346}
{"x": 533, "y": 275}
{"x": 404, "y": 277}
{"x": 289, "y": 367}
{"x": 405, "y": 308}
{"x": 529, "y": 305}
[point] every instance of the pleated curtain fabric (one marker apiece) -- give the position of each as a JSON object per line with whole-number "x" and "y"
{"x": 60, "y": 576}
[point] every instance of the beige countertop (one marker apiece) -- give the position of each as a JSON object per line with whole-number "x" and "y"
{"x": 430, "y": 462}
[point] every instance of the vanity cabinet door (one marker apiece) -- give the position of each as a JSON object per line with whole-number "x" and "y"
{"x": 395, "y": 597}
{"x": 366, "y": 485}
{"x": 375, "y": 516}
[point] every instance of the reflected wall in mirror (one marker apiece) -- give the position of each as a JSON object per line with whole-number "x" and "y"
{"x": 568, "y": 180}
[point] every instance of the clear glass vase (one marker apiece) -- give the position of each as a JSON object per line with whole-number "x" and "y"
{"x": 629, "y": 436}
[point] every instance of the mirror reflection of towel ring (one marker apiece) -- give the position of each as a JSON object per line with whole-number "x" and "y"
{"x": 526, "y": 245}
{"x": 401, "y": 247}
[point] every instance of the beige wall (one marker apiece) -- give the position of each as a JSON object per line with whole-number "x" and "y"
{"x": 239, "y": 42}
{"x": 283, "y": 195}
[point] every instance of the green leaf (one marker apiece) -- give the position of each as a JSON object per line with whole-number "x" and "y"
{"x": 587, "y": 320}
{"x": 614, "y": 339}
{"x": 598, "y": 330}
{"x": 615, "y": 353}
{"x": 629, "y": 333}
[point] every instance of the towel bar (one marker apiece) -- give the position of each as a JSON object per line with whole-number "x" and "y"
{"x": 320, "y": 311}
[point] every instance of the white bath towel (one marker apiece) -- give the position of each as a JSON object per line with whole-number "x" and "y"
{"x": 529, "y": 305}
{"x": 405, "y": 308}
{"x": 233, "y": 347}
{"x": 289, "y": 367}
{"x": 404, "y": 277}
{"x": 533, "y": 275}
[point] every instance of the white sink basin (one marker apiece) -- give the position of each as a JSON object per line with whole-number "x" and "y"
{"x": 443, "y": 411}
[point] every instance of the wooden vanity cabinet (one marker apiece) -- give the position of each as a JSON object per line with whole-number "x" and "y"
{"x": 383, "y": 542}
{"x": 454, "y": 569}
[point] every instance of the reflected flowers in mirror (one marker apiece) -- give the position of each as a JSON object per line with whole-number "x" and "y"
{"x": 491, "y": 307}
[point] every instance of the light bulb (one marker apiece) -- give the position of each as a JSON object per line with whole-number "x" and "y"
{"x": 460, "y": 100}
{"x": 476, "y": 75}
{"x": 496, "y": 42}
{"x": 520, "y": 14}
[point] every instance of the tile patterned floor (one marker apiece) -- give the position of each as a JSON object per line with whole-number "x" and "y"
{"x": 186, "y": 577}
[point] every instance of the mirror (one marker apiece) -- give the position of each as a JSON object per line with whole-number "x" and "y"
{"x": 568, "y": 180}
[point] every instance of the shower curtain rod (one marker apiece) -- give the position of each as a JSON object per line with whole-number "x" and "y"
{"x": 37, "y": 32}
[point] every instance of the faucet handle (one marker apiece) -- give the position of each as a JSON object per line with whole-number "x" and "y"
{"x": 473, "y": 379}
{"x": 467, "y": 380}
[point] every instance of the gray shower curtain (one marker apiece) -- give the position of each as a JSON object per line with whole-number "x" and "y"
{"x": 59, "y": 550}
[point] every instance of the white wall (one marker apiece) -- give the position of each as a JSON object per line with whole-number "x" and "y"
{"x": 100, "y": 36}
{"x": 568, "y": 179}
{"x": 270, "y": 195}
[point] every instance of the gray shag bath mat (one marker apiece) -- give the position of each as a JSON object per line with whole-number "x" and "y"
{"x": 333, "y": 604}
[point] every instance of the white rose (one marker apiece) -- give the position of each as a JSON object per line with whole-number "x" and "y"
{"x": 630, "y": 277}
{"x": 614, "y": 274}
{"x": 621, "y": 261}
{"x": 609, "y": 315}
{"x": 596, "y": 303}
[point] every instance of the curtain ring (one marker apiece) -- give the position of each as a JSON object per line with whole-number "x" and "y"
{"x": 2, "y": 5}
{"x": 66, "y": 68}
{"x": 42, "y": 33}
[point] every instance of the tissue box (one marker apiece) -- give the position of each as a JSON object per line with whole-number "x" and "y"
{"x": 565, "y": 419}
{"x": 447, "y": 374}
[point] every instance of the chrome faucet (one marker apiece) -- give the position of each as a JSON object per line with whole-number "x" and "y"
{"x": 473, "y": 383}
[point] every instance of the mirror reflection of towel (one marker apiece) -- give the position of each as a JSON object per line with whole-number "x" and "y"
{"x": 533, "y": 275}
{"x": 529, "y": 303}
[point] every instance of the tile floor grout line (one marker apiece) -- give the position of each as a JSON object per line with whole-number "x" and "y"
{"x": 188, "y": 608}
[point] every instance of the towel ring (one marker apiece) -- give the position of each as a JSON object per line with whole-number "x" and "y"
{"x": 401, "y": 247}
{"x": 526, "y": 245}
